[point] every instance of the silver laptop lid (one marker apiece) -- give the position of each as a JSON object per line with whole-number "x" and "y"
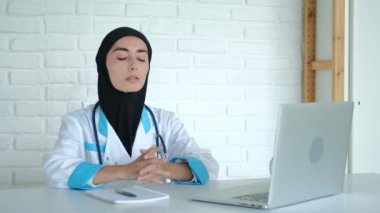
{"x": 310, "y": 153}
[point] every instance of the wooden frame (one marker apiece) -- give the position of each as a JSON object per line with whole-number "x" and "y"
{"x": 338, "y": 51}
{"x": 309, "y": 50}
{"x": 336, "y": 64}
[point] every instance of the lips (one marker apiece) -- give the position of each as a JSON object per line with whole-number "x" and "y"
{"x": 132, "y": 79}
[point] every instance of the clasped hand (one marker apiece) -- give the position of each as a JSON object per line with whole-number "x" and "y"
{"x": 149, "y": 168}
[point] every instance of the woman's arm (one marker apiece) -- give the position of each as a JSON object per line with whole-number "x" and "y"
{"x": 147, "y": 168}
{"x": 158, "y": 170}
{"x": 183, "y": 147}
{"x": 58, "y": 164}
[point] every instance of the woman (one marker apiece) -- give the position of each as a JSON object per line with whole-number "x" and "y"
{"x": 124, "y": 146}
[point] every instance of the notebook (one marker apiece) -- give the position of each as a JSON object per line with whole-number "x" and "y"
{"x": 309, "y": 160}
{"x": 130, "y": 194}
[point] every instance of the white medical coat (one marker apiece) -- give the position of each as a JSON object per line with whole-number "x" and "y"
{"x": 76, "y": 143}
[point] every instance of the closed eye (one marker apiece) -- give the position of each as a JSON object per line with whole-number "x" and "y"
{"x": 121, "y": 59}
{"x": 140, "y": 59}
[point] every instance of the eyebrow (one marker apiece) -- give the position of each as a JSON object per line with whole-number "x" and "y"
{"x": 126, "y": 50}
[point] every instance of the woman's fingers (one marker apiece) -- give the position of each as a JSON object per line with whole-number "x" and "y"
{"x": 150, "y": 169}
{"x": 150, "y": 179}
{"x": 154, "y": 172}
{"x": 150, "y": 153}
{"x": 155, "y": 169}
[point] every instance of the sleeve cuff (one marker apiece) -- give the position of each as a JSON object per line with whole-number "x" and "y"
{"x": 198, "y": 169}
{"x": 82, "y": 176}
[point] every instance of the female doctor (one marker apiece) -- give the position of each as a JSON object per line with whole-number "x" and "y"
{"x": 120, "y": 138}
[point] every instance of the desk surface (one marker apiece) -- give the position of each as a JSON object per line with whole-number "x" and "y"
{"x": 361, "y": 194}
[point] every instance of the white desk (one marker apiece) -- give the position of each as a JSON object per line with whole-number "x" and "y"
{"x": 361, "y": 194}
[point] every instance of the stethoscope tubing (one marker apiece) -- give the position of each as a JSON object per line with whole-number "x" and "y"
{"x": 158, "y": 135}
{"x": 96, "y": 134}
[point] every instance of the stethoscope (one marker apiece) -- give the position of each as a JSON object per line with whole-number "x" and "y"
{"x": 158, "y": 135}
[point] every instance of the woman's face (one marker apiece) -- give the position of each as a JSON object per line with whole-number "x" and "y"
{"x": 127, "y": 63}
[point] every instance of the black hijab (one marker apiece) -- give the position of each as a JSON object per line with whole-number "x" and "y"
{"x": 122, "y": 110}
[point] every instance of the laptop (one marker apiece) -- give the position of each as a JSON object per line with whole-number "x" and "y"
{"x": 309, "y": 161}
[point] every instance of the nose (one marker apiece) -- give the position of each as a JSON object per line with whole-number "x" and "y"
{"x": 132, "y": 63}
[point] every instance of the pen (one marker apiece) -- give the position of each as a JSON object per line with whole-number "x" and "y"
{"x": 126, "y": 193}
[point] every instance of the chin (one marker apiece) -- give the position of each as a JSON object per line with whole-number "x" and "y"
{"x": 130, "y": 90}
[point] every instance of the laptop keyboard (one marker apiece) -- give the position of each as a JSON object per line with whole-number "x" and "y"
{"x": 259, "y": 197}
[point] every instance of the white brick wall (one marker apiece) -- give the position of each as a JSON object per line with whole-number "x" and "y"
{"x": 12, "y": 60}
{"x": 24, "y": 24}
{"x": 223, "y": 66}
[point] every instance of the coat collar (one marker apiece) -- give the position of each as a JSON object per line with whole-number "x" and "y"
{"x": 102, "y": 122}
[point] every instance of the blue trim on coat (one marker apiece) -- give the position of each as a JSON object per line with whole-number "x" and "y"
{"x": 92, "y": 147}
{"x": 103, "y": 129}
{"x": 82, "y": 174}
{"x": 103, "y": 123}
{"x": 197, "y": 167}
{"x": 145, "y": 120}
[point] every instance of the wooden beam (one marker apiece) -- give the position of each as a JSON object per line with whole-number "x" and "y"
{"x": 309, "y": 50}
{"x": 338, "y": 51}
{"x": 321, "y": 65}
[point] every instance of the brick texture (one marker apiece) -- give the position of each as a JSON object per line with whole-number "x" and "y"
{"x": 223, "y": 66}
